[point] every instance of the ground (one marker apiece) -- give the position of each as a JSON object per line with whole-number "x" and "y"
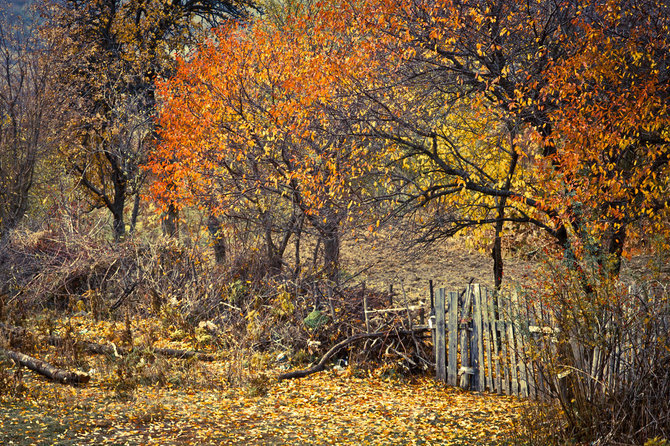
{"x": 145, "y": 400}
{"x": 386, "y": 259}
{"x": 323, "y": 409}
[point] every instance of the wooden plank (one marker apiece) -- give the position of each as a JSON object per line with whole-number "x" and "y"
{"x": 530, "y": 362}
{"x": 486, "y": 322}
{"x": 514, "y": 378}
{"x": 496, "y": 347}
{"x": 596, "y": 369}
{"x": 475, "y": 334}
{"x": 478, "y": 337}
{"x": 464, "y": 326}
{"x": 549, "y": 347}
{"x": 392, "y": 310}
{"x": 520, "y": 352}
{"x": 453, "y": 339}
{"x": 440, "y": 345}
{"x": 504, "y": 358}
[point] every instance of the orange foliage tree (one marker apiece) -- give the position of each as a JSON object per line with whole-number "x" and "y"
{"x": 607, "y": 176}
{"x": 250, "y": 131}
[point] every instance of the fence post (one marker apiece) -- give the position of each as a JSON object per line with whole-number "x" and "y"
{"x": 494, "y": 330}
{"x": 453, "y": 338}
{"x": 486, "y": 328}
{"x": 464, "y": 326}
{"x": 440, "y": 344}
{"x": 520, "y": 347}
{"x": 478, "y": 338}
{"x": 512, "y": 347}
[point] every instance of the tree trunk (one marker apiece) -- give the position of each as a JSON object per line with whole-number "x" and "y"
{"x": 496, "y": 253}
{"x": 273, "y": 256}
{"x": 497, "y": 242}
{"x": 118, "y": 225}
{"x": 615, "y": 251}
{"x": 298, "y": 238}
{"x": 170, "y": 221}
{"x": 331, "y": 251}
{"x": 136, "y": 211}
{"x": 218, "y": 241}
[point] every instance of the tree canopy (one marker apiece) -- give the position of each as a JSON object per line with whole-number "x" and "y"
{"x": 482, "y": 113}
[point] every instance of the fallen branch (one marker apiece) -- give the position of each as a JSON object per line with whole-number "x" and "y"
{"x": 46, "y": 369}
{"x": 321, "y": 365}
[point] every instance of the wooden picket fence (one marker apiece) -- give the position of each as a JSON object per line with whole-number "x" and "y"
{"x": 507, "y": 344}
{"x": 480, "y": 341}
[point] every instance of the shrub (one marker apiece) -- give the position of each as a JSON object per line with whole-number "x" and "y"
{"x": 607, "y": 360}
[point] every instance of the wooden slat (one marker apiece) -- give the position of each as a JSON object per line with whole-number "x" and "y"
{"x": 496, "y": 348}
{"x": 530, "y": 363}
{"x": 504, "y": 358}
{"x": 466, "y": 311}
{"x": 478, "y": 335}
{"x": 474, "y": 339}
{"x": 521, "y": 359}
{"x": 440, "y": 345}
{"x": 453, "y": 339}
{"x": 514, "y": 377}
{"x": 544, "y": 381}
{"x": 486, "y": 320}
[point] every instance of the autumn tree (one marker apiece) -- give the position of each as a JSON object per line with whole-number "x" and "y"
{"x": 248, "y": 133}
{"x": 28, "y": 112}
{"x": 470, "y": 101}
{"x": 459, "y": 96}
{"x": 607, "y": 176}
{"x": 110, "y": 54}
{"x": 482, "y": 100}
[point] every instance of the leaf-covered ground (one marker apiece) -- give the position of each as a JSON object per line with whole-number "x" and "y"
{"x": 154, "y": 401}
{"x": 323, "y": 409}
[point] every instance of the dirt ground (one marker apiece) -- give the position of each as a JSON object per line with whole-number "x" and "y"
{"x": 386, "y": 259}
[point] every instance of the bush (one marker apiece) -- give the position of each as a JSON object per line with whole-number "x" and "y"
{"x": 607, "y": 359}
{"x": 539, "y": 424}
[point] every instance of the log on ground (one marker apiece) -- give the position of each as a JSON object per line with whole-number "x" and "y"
{"x": 45, "y": 369}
